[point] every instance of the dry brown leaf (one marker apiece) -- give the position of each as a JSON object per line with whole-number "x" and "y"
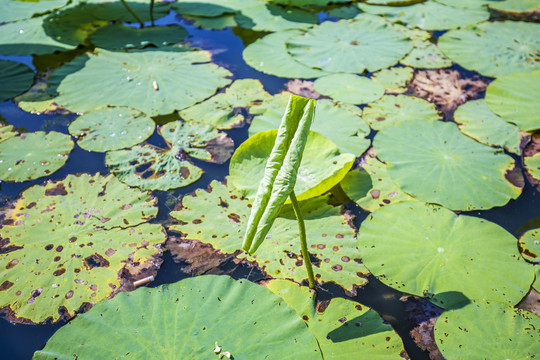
{"x": 302, "y": 88}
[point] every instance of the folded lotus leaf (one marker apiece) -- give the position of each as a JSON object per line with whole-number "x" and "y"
{"x": 118, "y": 36}
{"x": 349, "y": 88}
{"x": 15, "y": 78}
{"x": 529, "y": 245}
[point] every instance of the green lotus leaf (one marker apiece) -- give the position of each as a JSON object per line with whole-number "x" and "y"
{"x": 67, "y": 243}
{"x": 532, "y": 164}
{"x": 430, "y": 251}
{"x": 349, "y": 88}
{"x": 118, "y": 36}
{"x": 429, "y": 15}
{"x": 514, "y": 98}
{"x": 485, "y": 329}
{"x": 390, "y": 110}
{"x": 7, "y": 132}
{"x": 529, "y": 244}
{"x": 223, "y": 110}
{"x": 15, "y": 78}
{"x": 154, "y": 82}
{"x": 33, "y": 155}
{"x": 300, "y": 3}
{"x": 112, "y": 10}
{"x": 13, "y": 10}
{"x": 393, "y": 2}
{"x": 426, "y": 55}
{"x": 476, "y": 120}
{"x": 214, "y": 23}
{"x": 507, "y": 47}
{"x": 262, "y": 16}
{"x": 201, "y": 8}
{"x": 515, "y": 6}
{"x": 344, "y": 12}
{"x": 394, "y": 79}
{"x": 188, "y": 319}
{"x": 345, "y": 330}
{"x": 466, "y": 4}
{"x": 269, "y": 55}
{"x": 111, "y": 128}
{"x": 367, "y": 42}
{"x": 322, "y": 166}
{"x": 464, "y": 174}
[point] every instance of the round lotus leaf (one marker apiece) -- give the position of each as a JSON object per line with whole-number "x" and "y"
{"x": 430, "y": 251}
{"x": 515, "y": 99}
{"x": 340, "y": 123}
{"x": 426, "y": 55}
{"x": 111, "y": 128}
{"x": 322, "y": 166}
{"x": 118, "y": 36}
{"x": 345, "y": 330}
{"x": 367, "y": 42}
{"x": 261, "y": 16}
{"x": 507, "y": 47}
{"x": 7, "y": 132}
{"x": 65, "y": 244}
{"x": 476, "y": 120}
{"x": 154, "y": 82}
{"x": 390, "y": 110}
{"x": 12, "y": 10}
{"x": 515, "y": 6}
{"x": 203, "y": 317}
{"x": 218, "y": 216}
{"x": 349, "y": 88}
{"x": 394, "y": 79}
{"x": 434, "y": 162}
{"x": 529, "y": 244}
{"x": 485, "y": 330}
{"x": 15, "y": 78}
{"x": 33, "y": 155}
{"x": 269, "y": 55}
{"x": 532, "y": 164}
{"x": 429, "y": 15}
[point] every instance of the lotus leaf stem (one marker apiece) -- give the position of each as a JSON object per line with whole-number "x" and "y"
{"x": 303, "y": 242}
{"x": 133, "y": 13}
{"x": 152, "y": 11}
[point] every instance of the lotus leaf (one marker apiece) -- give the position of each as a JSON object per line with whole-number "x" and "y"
{"x": 217, "y": 23}
{"x": 15, "y": 78}
{"x": 507, "y": 47}
{"x": 345, "y": 330}
{"x": 529, "y": 244}
{"x": 118, "y": 36}
{"x": 390, "y": 110}
{"x": 515, "y": 99}
{"x": 367, "y": 42}
{"x": 201, "y": 8}
{"x": 219, "y": 216}
{"x": 430, "y": 251}
{"x": 393, "y": 2}
{"x": 269, "y": 55}
{"x": 476, "y": 120}
{"x": 344, "y": 12}
{"x": 116, "y": 11}
{"x": 463, "y": 174}
{"x": 532, "y": 163}
{"x": 426, "y": 55}
{"x": 515, "y": 6}
{"x": 394, "y": 79}
{"x": 111, "y": 128}
{"x": 263, "y": 16}
{"x": 300, "y": 3}
{"x": 12, "y": 10}
{"x": 33, "y": 155}
{"x": 154, "y": 82}
{"x": 322, "y": 167}
{"x": 7, "y": 132}
{"x": 65, "y": 244}
{"x": 223, "y": 110}
{"x": 349, "y": 88}
{"x": 484, "y": 329}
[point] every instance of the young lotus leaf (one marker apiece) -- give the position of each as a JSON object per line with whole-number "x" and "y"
{"x": 515, "y": 99}
{"x": 15, "y": 78}
{"x": 430, "y": 251}
{"x": 485, "y": 329}
{"x": 118, "y": 36}
{"x": 390, "y": 110}
{"x": 155, "y": 82}
{"x": 349, "y": 88}
{"x": 507, "y": 47}
{"x": 529, "y": 244}
{"x": 7, "y": 132}
{"x": 515, "y": 6}
{"x": 65, "y": 244}
{"x": 193, "y": 318}
{"x": 367, "y": 42}
{"x": 33, "y": 155}
{"x": 13, "y": 10}
{"x": 476, "y": 120}
{"x": 111, "y": 128}
{"x": 223, "y": 110}
{"x": 219, "y": 217}
{"x": 394, "y": 79}
{"x": 434, "y": 162}
{"x": 345, "y": 330}
{"x": 263, "y": 16}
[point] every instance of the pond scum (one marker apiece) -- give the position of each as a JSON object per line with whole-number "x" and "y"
{"x": 134, "y": 136}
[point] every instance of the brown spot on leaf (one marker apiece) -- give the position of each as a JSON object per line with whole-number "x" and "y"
{"x": 234, "y": 217}
{"x": 69, "y": 294}
{"x": 58, "y": 190}
{"x": 305, "y": 317}
{"x": 59, "y": 272}
{"x": 529, "y": 253}
{"x": 57, "y": 258}
{"x": 12, "y": 263}
{"x": 337, "y": 267}
{"x": 321, "y": 246}
{"x": 59, "y": 248}
{"x": 339, "y": 236}
{"x": 126, "y": 206}
{"x": 31, "y": 205}
{"x": 95, "y": 260}
{"x": 380, "y": 118}
{"x": 72, "y": 239}
{"x": 197, "y": 221}
{"x": 345, "y": 259}
{"x": 184, "y": 172}
{"x": 342, "y": 320}
{"x": 223, "y": 203}
{"x": 335, "y": 248}
{"x": 110, "y": 252}
{"x": 375, "y": 193}
{"x": 6, "y": 285}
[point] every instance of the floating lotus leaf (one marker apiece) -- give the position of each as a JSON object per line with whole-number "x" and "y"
{"x": 349, "y": 88}
{"x": 426, "y": 55}
{"x": 12, "y": 10}
{"x": 515, "y": 6}
{"x": 507, "y": 47}
{"x": 430, "y": 251}
{"x": 33, "y": 155}
{"x": 322, "y": 166}
{"x": 394, "y": 79}
{"x": 484, "y": 329}
{"x": 217, "y": 23}
{"x": 344, "y": 12}
{"x": 367, "y": 42}
{"x": 515, "y": 99}
{"x": 65, "y": 244}
{"x": 201, "y": 8}
{"x": 390, "y": 110}
{"x": 269, "y": 55}
{"x": 219, "y": 217}
{"x": 345, "y": 330}
{"x": 15, "y": 78}
{"x": 111, "y": 128}
{"x": 155, "y": 82}
{"x": 262, "y": 16}
{"x": 429, "y": 15}
{"x": 532, "y": 163}
{"x": 118, "y": 36}
{"x": 301, "y": 3}
{"x": 463, "y": 174}
{"x": 223, "y": 110}
{"x": 476, "y": 120}
{"x": 7, "y": 132}
{"x": 188, "y": 319}
{"x": 529, "y": 244}
{"x": 393, "y": 2}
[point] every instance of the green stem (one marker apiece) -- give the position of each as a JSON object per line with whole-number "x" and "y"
{"x": 133, "y": 13}
{"x": 303, "y": 242}
{"x": 152, "y": 11}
